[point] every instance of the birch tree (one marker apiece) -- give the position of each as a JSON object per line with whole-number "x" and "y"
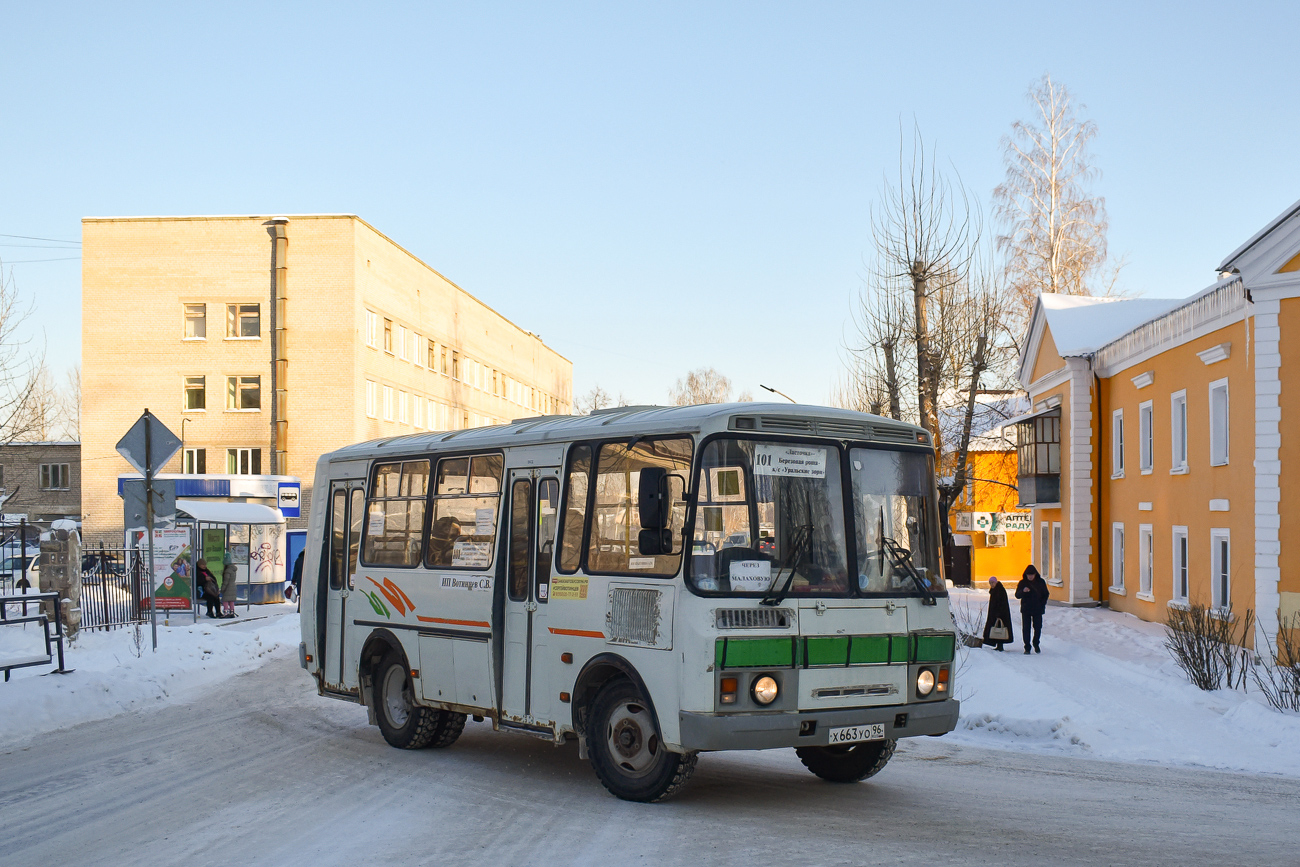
{"x": 23, "y": 379}
{"x": 1054, "y": 230}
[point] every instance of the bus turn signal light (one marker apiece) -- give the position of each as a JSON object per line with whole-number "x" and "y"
{"x": 729, "y": 686}
{"x": 943, "y": 680}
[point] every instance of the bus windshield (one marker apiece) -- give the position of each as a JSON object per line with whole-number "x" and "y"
{"x": 769, "y": 515}
{"x": 896, "y": 521}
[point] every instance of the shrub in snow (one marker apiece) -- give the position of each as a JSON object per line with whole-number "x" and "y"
{"x": 1208, "y": 646}
{"x": 1278, "y": 674}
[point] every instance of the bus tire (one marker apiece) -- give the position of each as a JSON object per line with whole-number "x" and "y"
{"x": 849, "y": 763}
{"x": 403, "y": 723}
{"x": 449, "y": 728}
{"x": 625, "y": 749}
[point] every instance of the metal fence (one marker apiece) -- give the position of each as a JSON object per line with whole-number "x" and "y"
{"x": 113, "y": 588}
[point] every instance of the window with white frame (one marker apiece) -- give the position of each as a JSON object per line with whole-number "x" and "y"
{"x": 417, "y": 411}
{"x": 1117, "y": 558}
{"x": 1045, "y": 549}
{"x": 195, "y": 462}
{"x": 196, "y": 397}
{"x": 372, "y": 329}
{"x": 433, "y": 415}
{"x": 401, "y": 407}
{"x": 1146, "y": 441}
{"x": 1178, "y": 430}
{"x": 244, "y": 393}
{"x": 244, "y": 321}
{"x": 1057, "y": 571}
{"x": 1146, "y": 560}
{"x": 55, "y": 477}
{"x": 244, "y": 462}
{"x": 417, "y": 345}
{"x": 196, "y": 322}
{"x": 1180, "y": 564}
{"x": 455, "y": 365}
{"x": 401, "y": 342}
{"x": 388, "y": 336}
{"x": 1219, "y": 423}
{"x": 1117, "y": 444}
{"x": 372, "y": 398}
{"x": 1220, "y": 564}
{"x": 388, "y": 403}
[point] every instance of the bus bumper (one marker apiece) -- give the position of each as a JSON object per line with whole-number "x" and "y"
{"x": 766, "y": 731}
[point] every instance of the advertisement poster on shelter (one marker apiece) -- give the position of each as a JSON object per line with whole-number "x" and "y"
{"x": 172, "y": 568}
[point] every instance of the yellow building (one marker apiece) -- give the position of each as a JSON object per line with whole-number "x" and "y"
{"x": 267, "y": 341}
{"x": 1155, "y": 458}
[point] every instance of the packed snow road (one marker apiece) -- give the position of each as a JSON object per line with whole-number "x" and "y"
{"x": 260, "y": 770}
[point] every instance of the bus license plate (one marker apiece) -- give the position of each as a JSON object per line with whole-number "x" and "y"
{"x": 856, "y": 734}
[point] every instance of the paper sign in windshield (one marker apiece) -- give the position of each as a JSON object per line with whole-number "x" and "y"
{"x": 376, "y": 527}
{"x": 797, "y": 461}
{"x": 485, "y": 521}
{"x": 751, "y": 576}
{"x": 474, "y": 554}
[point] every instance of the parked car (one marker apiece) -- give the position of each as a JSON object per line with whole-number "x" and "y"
{"x": 11, "y": 572}
{"x": 97, "y": 567}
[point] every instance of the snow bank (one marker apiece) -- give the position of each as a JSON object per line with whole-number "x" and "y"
{"x": 109, "y": 677}
{"x": 1104, "y": 686}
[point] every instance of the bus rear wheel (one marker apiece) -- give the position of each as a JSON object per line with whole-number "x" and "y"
{"x": 625, "y": 748}
{"x": 849, "y": 763}
{"x": 403, "y": 723}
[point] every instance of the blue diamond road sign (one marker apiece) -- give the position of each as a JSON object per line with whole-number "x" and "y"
{"x": 163, "y": 444}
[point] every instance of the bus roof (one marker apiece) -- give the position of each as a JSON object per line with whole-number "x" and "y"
{"x": 627, "y": 421}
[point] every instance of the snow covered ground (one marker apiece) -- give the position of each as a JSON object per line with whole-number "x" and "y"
{"x": 1104, "y": 687}
{"x": 109, "y": 677}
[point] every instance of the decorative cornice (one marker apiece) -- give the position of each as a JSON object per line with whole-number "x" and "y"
{"x": 1215, "y": 353}
{"x": 1142, "y": 380}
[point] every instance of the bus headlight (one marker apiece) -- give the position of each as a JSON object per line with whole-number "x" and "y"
{"x": 765, "y": 690}
{"x": 924, "y": 682}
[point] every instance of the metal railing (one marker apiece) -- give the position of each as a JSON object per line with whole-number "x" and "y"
{"x": 23, "y": 603}
{"x": 114, "y": 591}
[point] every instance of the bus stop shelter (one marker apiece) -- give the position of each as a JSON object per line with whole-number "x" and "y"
{"x": 253, "y": 534}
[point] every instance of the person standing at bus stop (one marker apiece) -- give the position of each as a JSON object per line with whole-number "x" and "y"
{"x": 228, "y": 581}
{"x": 1032, "y": 593}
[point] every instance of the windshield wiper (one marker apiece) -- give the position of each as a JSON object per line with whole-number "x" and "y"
{"x": 901, "y": 559}
{"x": 802, "y": 535}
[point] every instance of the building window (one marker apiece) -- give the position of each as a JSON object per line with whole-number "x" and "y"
{"x": 388, "y": 403}
{"x": 431, "y": 353}
{"x": 196, "y": 396}
{"x": 196, "y": 322}
{"x": 388, "y": 336}
{"x": 1146, "y": 443}
{"x": 1146, "y": 558}
{"x": 243, "y": 392}
{"x": 1058, "y": 572}
{"x": 1219, "y": 423}
{"x": 401, "y": 407}
{"x": 401, "y": 342}
{"x": 372, "y": 399}
{"x": 55, "y": 477}
{"x": 244, "y": 462}
{"x": 1220, "y": 579}
{"x": 1117, "y": 558}
{"x": 1045, "y": 549}
{"x": 372, "y": 329}
{"x": 417, "y": 411}
{"x": 195, "y": 462}
{"x": 1117, "y": 444}
{"x": 455, "y": 365}
{"x": 1038, "y": 455}
{"x": 1178, "y": 430}
{"x": 442, "y": 361}
{"x": 417, "y": 348}
{"x": 244, "y": 320}
{"x": 1180, "y": 564}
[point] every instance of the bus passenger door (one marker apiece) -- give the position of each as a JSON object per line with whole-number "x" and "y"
{"x": 534, "y": 499}
{"x": 347, "y": 510}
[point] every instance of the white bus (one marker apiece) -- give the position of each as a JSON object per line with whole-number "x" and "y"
{"x": 652, "y": 581}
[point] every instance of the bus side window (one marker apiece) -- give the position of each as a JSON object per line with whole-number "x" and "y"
{"x": 548, "y": 513}
{"x": 520, "y": 495}
{"x": 354, "y": 540}
{"x": 575, "y": 508}
{"x": 338, "y": 537}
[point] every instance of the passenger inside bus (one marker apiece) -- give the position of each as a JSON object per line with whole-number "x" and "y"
{"x": 442, "y": 539}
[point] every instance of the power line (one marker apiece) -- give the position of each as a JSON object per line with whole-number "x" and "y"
{"x": 30, "y": 238}
{"x": 28, "y": 261}
{"x": 39, "y": 246}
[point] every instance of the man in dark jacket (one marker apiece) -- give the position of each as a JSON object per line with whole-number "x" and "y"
{"x": 1032, "y": 593}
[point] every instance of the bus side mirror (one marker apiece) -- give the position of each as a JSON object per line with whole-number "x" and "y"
{"x": 652, "y": 498}
{"x": 651, "y": 543}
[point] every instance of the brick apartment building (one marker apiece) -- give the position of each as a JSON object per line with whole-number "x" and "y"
{"x": 41, "y": 481}
{"x": 265, "y": 342}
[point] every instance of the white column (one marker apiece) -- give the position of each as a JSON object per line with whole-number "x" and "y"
{"x": 1268, "y": 466}
{"x": 1080, "y": 510}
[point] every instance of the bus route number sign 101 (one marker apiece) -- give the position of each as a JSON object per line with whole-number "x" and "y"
{"x": 857, "y": 734}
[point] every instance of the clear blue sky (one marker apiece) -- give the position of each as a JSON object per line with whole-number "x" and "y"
{"x": 651, "y": 187}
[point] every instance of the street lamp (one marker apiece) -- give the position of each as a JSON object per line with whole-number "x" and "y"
{"x": 774, "y": 391}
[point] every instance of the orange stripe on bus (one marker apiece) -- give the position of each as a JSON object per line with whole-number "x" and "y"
{"x": 423, "y": 619}
{"x": 581, "y": 633}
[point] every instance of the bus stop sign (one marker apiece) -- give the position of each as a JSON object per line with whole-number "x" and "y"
{"x": 163, "y": 444}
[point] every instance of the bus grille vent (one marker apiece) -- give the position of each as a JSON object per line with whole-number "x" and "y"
{"x": 633, "y": 616}
{"x": 894, "y": 434}
{"x": 849, "y": 429}
{"x": 786, "y": 424}
{"x": 753, "y": 618}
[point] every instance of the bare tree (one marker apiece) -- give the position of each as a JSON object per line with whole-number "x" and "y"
{"x": 70, "y": 403}
{"x": 20, "y": 365}
{"x": 593, "y": 400}
{"x": 703, "y": 385}
{"x": 1055, "y": 232}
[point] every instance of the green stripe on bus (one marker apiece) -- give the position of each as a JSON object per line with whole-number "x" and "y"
{"x": 827, "y": 650}
{"x": 900, "y": 648}
{"x": 719, "y": 651}
{"x": 935, "y": 648}
{"x": 759, "y": 653}
{"x": 867, "y": 649}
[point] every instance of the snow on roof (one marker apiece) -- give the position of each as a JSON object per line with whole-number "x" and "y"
{"x": 1082, "y": 324}
{"x": 215, "y": 512}
{"x": 1281, "y": 218}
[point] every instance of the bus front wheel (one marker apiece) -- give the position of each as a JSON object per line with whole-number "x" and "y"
{"x": 403, "y": 723}
{"x": 625, "y": 748}
{"x": 850, "y": 763}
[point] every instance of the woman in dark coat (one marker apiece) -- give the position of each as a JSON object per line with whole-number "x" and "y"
{"x": 1032, "y": 593}
{"x": 228, "y": 582}
{"x": 207, "y": 582}
{"x": 999, "y": 615}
